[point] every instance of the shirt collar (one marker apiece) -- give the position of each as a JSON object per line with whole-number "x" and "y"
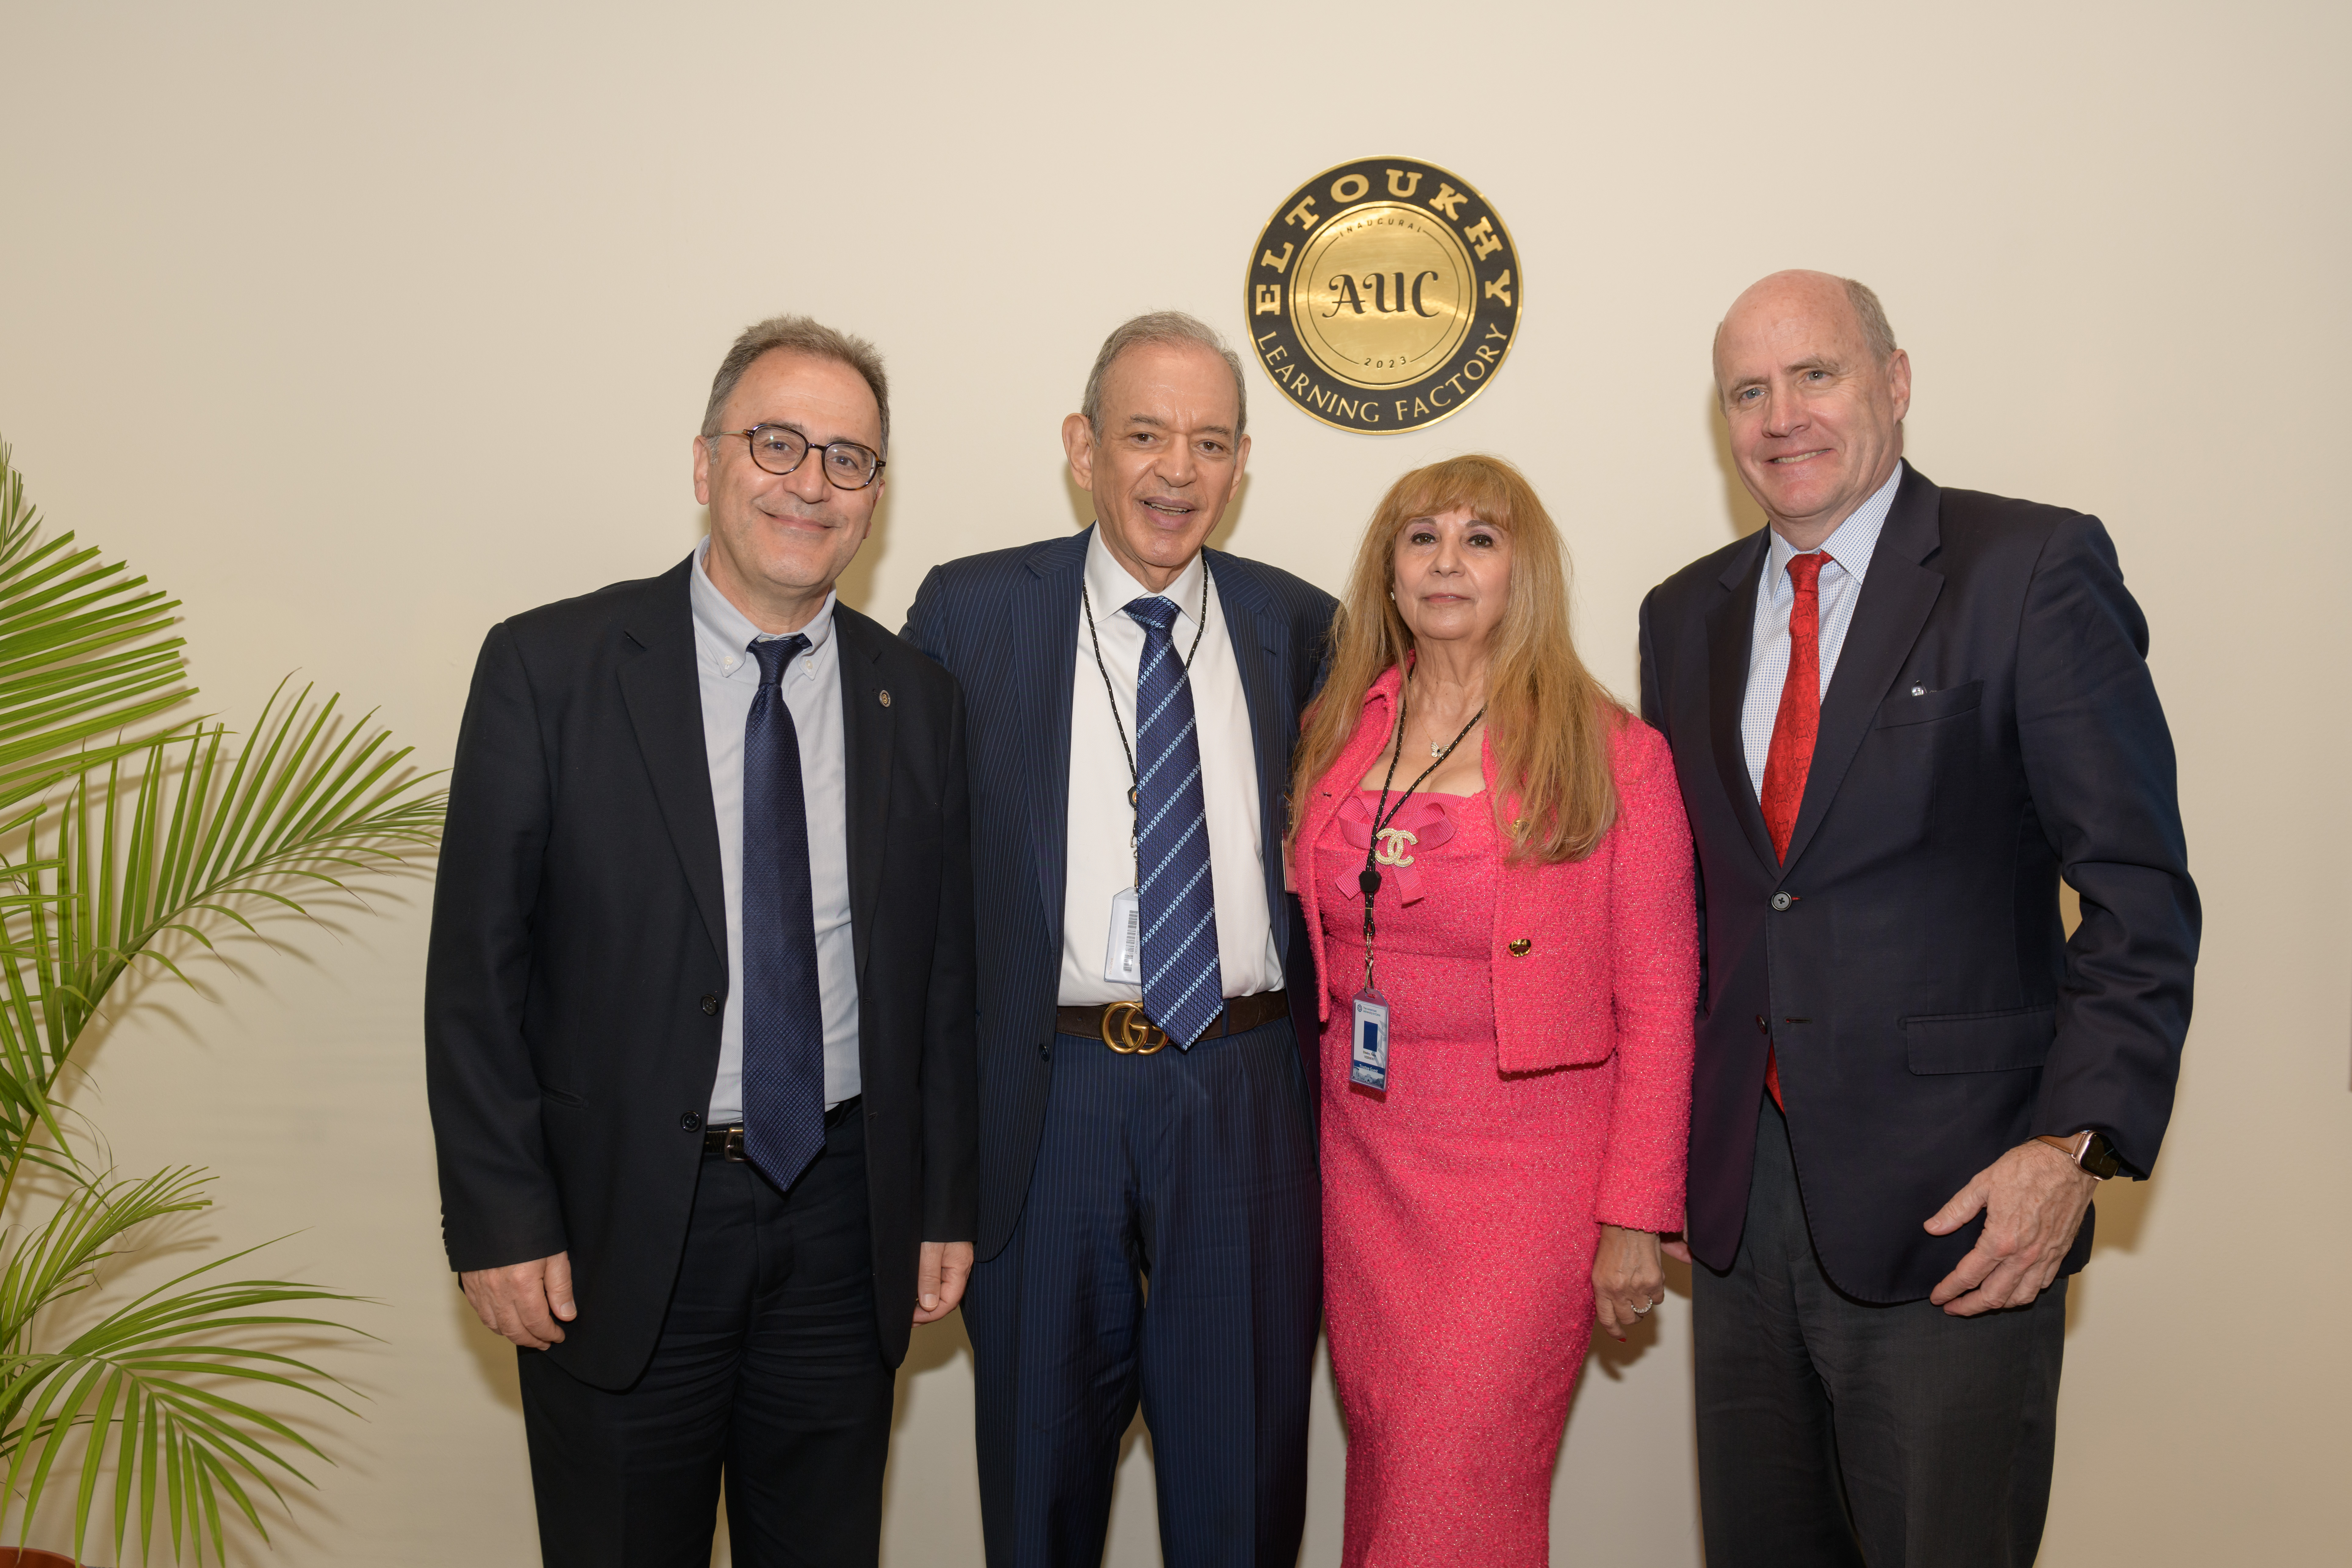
{"x": 1853, "y": 543}
{"x": 1113, "y": 587}
{"x": 723, "y": 634}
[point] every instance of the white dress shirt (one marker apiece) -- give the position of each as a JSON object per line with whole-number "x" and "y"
{"x": 1849, "y": 551}
{"x": 729, "y": 679}
{"x": 1102, "y": 825}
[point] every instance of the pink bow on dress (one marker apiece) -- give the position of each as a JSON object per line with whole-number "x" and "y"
{"x": 1424, "y": 824}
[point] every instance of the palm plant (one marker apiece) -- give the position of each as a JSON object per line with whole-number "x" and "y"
{"x": 116, "y": 853}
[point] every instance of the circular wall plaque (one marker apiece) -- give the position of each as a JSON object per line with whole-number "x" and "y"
{"x": 1384, "y": 294}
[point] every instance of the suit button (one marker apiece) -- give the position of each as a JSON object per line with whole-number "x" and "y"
{"x": 710, "y": 1007}
{"x": 691, "y": 1122}
{"x": 1781, "y": 900}
{"x": 1763, "y": 1025}
{"x": 1045, "y": 1049}
{"x": 1520, "y": 948}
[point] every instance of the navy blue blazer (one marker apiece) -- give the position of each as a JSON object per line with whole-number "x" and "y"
{"x": 1991, "y": 726}
{"x": 1006, "y": 626}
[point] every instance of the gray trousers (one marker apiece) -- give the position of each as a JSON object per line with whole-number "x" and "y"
{"x": 1834, "y": 1434}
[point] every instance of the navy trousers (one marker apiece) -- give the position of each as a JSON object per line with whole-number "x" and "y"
{"x": 1169, "y": 1251}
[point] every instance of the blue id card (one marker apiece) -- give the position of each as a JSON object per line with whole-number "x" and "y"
{"x": 1367, "y": 1049}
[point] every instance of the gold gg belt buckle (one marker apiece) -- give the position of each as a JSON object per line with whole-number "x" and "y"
{"x": 1126, "y": 1030}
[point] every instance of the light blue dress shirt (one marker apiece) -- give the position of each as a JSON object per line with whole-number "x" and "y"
{"x": 1849, "y": 550}
{"x": 730, "y": 679}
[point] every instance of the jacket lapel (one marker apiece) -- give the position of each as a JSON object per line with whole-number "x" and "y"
{"x": 1896, "y": 595}
{"x": 1254, "y": 631}
{"x": 664, "y": 697}
{"x": 1730, "y": 642}
{"x": 869, "y": 730}
{"x": 1044, "y": 621}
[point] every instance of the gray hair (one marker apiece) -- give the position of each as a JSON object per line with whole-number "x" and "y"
{"x": 1872, "y": 317}
{"x": 801, "y": 335}
{"x": 1163, "y": 327}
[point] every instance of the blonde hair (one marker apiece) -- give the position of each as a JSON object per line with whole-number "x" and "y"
{"x": 1548, "y": 720}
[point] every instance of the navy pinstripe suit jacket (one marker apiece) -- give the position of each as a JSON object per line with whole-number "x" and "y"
{"x": 1006, "y": 625}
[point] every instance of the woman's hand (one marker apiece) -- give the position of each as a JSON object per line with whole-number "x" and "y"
{"x": 1627, "y": 1278}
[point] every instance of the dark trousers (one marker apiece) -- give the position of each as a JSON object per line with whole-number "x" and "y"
{"x": 1169, "y": 1250}
{"x": 1833, "y": 1433}
{"x": 768, "y": 1369}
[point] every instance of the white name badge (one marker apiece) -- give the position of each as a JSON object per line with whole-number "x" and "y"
{"x": 1368, "y": 1046}
{"x": 1123, "y": 953}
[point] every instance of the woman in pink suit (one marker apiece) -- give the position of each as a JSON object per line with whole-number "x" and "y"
{"x": 1498, "y": 1161}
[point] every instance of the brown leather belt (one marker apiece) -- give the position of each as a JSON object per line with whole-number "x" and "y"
{"x": 1123, "y": 1027}
{"x": 726, "y": 1142}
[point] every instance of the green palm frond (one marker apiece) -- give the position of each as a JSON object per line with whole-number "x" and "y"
{"x": 83, "y": 652}
{"x": 187, "y": 836}
{"x": 59, "y": 1256}
{"x": 114, "y": 848}
{"x": 141, "y": 1393}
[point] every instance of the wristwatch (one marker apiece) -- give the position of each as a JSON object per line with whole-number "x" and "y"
{"x": 2089, "y": 1150}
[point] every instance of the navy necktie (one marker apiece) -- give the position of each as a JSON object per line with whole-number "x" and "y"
{"x": 784, "y": 1015}
{"x": 1183, "y": 990}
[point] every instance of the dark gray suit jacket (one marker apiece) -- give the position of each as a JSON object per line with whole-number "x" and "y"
{"x": 578, "y": 964}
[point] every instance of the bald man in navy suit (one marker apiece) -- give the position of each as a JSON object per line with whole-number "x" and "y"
{"x": 1900, "y": 715}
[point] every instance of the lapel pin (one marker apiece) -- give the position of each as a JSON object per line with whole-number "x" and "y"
{"x": 885, "y": 699}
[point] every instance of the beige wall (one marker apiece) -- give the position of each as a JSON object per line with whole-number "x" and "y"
{"x": 360, "y": 328}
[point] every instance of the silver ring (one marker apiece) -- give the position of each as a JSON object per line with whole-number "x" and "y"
{"x": 1645, "y": 1306}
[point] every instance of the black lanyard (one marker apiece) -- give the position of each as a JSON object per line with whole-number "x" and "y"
{"x": 1135, "y": 787}
{"x": 1369, "y": 879}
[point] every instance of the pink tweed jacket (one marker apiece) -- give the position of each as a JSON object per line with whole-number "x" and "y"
{"x": 1594, "y": 960}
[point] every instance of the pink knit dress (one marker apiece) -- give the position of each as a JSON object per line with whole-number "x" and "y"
{"x": 1458, "y": 1206}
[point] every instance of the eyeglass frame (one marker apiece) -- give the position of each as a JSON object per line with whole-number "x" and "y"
{"x": 807, "y": 447}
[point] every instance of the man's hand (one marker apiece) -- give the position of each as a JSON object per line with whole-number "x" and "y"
{"x": 940, "y": 1279}
{"x": 1627, "y": 1280}
{"x": 523, "y": 1300}
{"x": 2033, "y": 1199}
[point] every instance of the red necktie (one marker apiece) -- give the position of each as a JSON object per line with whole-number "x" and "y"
{"x": 1793, "y": 728}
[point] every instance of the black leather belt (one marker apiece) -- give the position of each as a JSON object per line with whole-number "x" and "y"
{"x": 1123, "y": 1027}
{"x": 726, "y": 1142}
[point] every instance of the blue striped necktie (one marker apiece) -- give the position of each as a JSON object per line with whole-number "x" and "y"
{"x": 1183, "y": 989}
{"x": 783, "y": 1015}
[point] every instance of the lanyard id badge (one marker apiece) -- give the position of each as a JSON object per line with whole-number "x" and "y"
{"x": 1368, "y": 1044}
{"x": 1368, "y": 1040}
{"x": 1123, "y": 950}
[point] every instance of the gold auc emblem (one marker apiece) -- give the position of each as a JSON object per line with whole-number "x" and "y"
{"x": 1383, "y": 295}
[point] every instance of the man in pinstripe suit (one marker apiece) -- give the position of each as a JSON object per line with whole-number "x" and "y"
{"x": 1145, "y": 1115}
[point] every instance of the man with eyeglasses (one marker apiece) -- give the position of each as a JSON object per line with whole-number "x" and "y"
{"x": 699, "y": 1003}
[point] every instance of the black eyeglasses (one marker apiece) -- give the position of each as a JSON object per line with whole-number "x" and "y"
{"x": 779, "y": 449}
